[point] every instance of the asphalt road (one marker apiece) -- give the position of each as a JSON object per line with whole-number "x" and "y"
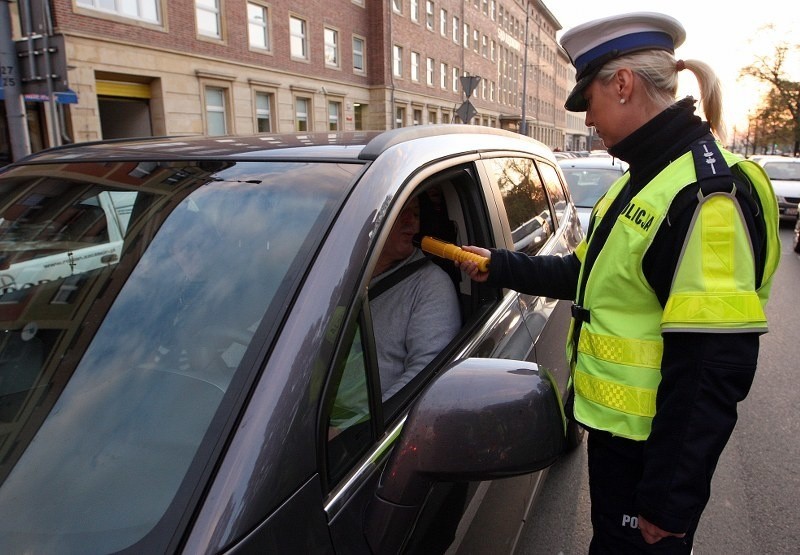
{"x": 756, "y": 488}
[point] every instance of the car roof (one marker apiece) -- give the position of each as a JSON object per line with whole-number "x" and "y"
{"x": 283, "y": 146}
{"x": 354, "y": 146}
{"x": 593, "y": 162}
{"x": 764, "y": 158}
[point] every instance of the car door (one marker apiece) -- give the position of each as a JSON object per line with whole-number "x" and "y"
{"x": 541, "y": 220}
{"x": 555, "y": 314}
{"x": 360, "y": 427}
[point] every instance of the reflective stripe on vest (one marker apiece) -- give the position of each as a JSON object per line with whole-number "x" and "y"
{"x": 715, "y": 299}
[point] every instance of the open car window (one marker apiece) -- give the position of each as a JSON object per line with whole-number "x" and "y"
{"x": 406, "y": 331}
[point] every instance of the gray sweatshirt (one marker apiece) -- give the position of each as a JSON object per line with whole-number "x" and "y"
{"x": 413, "y": 321}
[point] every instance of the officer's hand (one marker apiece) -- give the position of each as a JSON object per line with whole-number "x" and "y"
{"x": 471, "y": 268}
{"x": 653, "y": 533}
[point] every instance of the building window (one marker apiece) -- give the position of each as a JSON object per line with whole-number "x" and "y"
{"x": 456, "y": 28}
{"x": 415, "y": 66}
{"x": 301, "y": 111}
{"x": 476, "y": 40}
{"x": 264, "y": 112}
{"x": 298, "y": 38}
{"x": 429, "y": 10}
{"x": 456, "y": 75}
{"x": 358, "y": 54}
{"x": 417, "y": 117}
{"x": 258, "y": 26}
{"x": 400, "y": 117}
{"x": 443, "y": 75}
{"x": 358, "y": 115}
{"x": 397, "y": 61}
{"x": 145, "y": 10}
{"x": 432, "y": 116}
{"x": 466, "y": 35}
{"x": 397, "y": 5}
{"x": 216, "y": 119}
{"x": 443, "y": 22}
{"x": 208, "y": 18}
{"x": 485, "y": 46}
{"x": 414, "y": 9}
{"x": 334, "y": 115}
{"x": 331, "y": 47}
{"x": 429, "y": 72}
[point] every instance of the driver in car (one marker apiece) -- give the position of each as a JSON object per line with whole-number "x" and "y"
{"x": 415, "y": 314}
{"x": 413, "y": 303}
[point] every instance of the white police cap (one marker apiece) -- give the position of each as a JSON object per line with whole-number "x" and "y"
{"x": 591, "y": 45}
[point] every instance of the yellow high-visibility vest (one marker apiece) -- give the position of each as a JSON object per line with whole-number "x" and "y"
{"x": 617, "y": 369}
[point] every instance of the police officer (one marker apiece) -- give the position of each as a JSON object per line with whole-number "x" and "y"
{"x": 669, "y": 286}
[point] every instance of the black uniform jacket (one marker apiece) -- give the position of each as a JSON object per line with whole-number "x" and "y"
{"x": 704, "y": 375}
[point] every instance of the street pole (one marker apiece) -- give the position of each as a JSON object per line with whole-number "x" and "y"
{"x": 55, "y": 127}
{"x": 12, "y": 88}
{"x": 523, "y": 124}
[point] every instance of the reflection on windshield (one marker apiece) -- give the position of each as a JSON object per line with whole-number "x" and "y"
{"x": 124, "y": 326}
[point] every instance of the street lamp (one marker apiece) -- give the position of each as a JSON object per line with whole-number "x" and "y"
{"x": 523, "y": 124}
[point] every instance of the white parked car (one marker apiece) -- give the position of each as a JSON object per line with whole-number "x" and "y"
{"x": 784, "y": 172}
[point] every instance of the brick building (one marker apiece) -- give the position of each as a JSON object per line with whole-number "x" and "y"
{"x": 158, "y": 67}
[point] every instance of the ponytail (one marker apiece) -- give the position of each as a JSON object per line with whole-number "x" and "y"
{"x": 659, "y": 72}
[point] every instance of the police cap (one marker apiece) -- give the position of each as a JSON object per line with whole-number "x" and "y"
{"x": 591, "y": 45}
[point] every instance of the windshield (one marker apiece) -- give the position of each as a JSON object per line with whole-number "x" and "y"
{"x": 588, "y": 185}
{"x": 783, "y": 171}
{"x": 129, "y": 297}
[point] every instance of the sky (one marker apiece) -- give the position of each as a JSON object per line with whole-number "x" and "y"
{"x": 726, "y": 35}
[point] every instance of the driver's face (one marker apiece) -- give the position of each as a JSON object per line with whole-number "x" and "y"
{"x": 399, "y": 244}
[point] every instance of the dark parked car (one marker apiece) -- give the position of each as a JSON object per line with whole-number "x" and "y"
{"x": 182, "y": 319}
{"x": 796, "y": 244}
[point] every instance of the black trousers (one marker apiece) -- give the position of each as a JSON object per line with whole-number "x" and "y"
{"x": 615, "y": 469}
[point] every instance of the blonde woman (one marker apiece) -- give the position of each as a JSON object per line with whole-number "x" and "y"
{"x": 669, "y": 287}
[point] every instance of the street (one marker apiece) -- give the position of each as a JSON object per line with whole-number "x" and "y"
{"x": 753, "y": 506}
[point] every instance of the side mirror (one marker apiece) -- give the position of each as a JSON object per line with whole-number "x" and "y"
{"x": 481, "y": 419}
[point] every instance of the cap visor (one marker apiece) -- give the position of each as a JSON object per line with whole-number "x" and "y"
{"x": 575, "y": 101}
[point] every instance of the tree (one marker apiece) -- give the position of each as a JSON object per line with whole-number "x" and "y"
{"x": 775, "y": 123}
{"x": 780, "y": 110}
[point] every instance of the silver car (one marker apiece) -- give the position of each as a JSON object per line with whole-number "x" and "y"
{"x": 589, "y": 178}
{"x": 784, "y": 172}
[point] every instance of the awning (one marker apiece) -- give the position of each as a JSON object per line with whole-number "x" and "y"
{"x": 123, "y": 89}
{"x": 66, "y": 97}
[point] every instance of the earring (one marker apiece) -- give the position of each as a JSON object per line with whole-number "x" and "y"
{"x": 622, "y": 101}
